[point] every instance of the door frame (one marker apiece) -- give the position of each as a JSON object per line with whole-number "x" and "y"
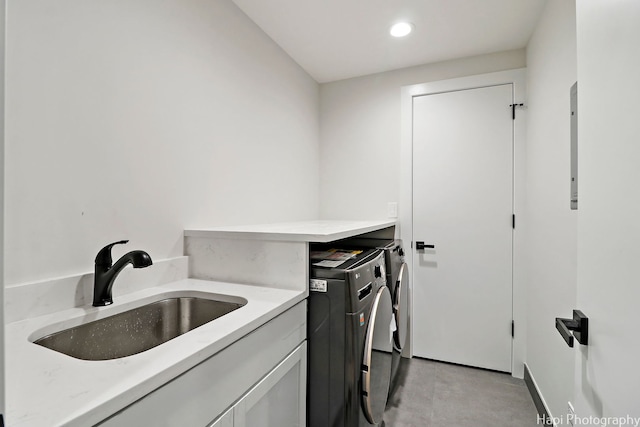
{"x": 517, "y": 78}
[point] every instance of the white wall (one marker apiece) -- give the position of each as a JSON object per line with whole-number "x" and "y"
{"x": 607, "y": 374}
{"x": 360, "y": 133}
{"x": 551, "y": 227}
{"x": 139, "y": 119}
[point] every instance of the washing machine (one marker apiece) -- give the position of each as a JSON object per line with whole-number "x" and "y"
{"x": 350, "y": 338}
{"x": 398, "y": 282}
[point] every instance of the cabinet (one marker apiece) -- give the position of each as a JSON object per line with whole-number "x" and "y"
{"x": 261, "y": 376}
{"x": 225, "y": 420}
{"x": 278, "y": 400}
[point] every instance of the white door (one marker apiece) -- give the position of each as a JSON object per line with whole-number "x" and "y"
{"x": 607, "y": 374}
{"x": 463, "y": 206}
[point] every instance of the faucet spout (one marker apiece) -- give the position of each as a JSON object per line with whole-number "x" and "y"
{"x": 106, "y": 272}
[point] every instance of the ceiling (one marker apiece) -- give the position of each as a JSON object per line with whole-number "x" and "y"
{"x": 339, "y": 39}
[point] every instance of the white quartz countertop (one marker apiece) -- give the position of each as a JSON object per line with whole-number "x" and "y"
{"x": 52, "y": 389}
{"x": 321, "y": 231}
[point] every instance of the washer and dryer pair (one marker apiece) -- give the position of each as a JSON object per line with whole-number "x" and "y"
{"x": 398, "y": 283}
{"x": 353, "y": 332}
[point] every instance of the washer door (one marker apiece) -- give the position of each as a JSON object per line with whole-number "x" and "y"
{"x": 376, "y": 365}
{"x": 401, "y": 307}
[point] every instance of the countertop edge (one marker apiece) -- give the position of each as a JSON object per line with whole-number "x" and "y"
{"x": 277, "y": 232}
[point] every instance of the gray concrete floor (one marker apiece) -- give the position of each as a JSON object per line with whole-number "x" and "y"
{"x": 434, "y": 394}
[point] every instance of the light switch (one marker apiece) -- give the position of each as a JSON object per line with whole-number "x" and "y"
{"x": 392, "y": 210}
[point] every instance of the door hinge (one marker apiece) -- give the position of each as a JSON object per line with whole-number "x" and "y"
{"x": 513, "y": 110}
{"x": 513, "y": 221}
{"x": 513, "y": 329}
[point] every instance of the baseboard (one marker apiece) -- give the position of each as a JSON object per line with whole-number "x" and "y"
{"x": 544, "y": 417}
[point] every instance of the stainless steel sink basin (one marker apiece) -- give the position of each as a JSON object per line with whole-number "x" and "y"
{"x": 136, "y": 330}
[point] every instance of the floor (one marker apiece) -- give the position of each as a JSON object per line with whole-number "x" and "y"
{"x": 434, "y": 394}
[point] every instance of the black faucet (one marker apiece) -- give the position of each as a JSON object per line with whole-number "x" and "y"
{"x": 106, "y": 273}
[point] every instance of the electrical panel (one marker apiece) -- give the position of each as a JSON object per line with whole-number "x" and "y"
{"x": 574, "y": 147}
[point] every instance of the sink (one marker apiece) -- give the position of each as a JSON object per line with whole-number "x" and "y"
{"x": 137, "y": 330}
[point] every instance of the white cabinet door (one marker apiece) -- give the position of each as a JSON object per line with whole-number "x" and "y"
{"x": 225, "y": 420}
{"x": 279, "y": 399}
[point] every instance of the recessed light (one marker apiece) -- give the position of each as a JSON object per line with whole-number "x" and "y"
{"x": 401, "y": 29}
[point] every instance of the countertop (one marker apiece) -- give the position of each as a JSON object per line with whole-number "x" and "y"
{"x": 321, "y": 231}
{"x": 52, "y": 389}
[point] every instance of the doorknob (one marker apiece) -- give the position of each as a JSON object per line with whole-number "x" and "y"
{"x": 421, "y": 246}
{"x": 579, "y": 325}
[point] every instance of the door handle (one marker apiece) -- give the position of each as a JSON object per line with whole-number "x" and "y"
{"x": 579, "y": 325}
{"x": 421, "y": 246}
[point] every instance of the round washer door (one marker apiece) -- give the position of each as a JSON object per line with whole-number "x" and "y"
{"x": 401, "y": 307}
{"x": 376, "y": 364}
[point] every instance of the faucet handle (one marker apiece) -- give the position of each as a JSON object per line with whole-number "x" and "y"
{"x": 104, "y": 255}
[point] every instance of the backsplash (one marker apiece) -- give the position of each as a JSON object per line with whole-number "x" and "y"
{"x": 27, "y": 300}
{"x": 276, "y": 264}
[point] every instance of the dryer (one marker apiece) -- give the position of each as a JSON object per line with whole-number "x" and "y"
{"x": 350, "y": 339}
{"x": 398, "y": 282}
